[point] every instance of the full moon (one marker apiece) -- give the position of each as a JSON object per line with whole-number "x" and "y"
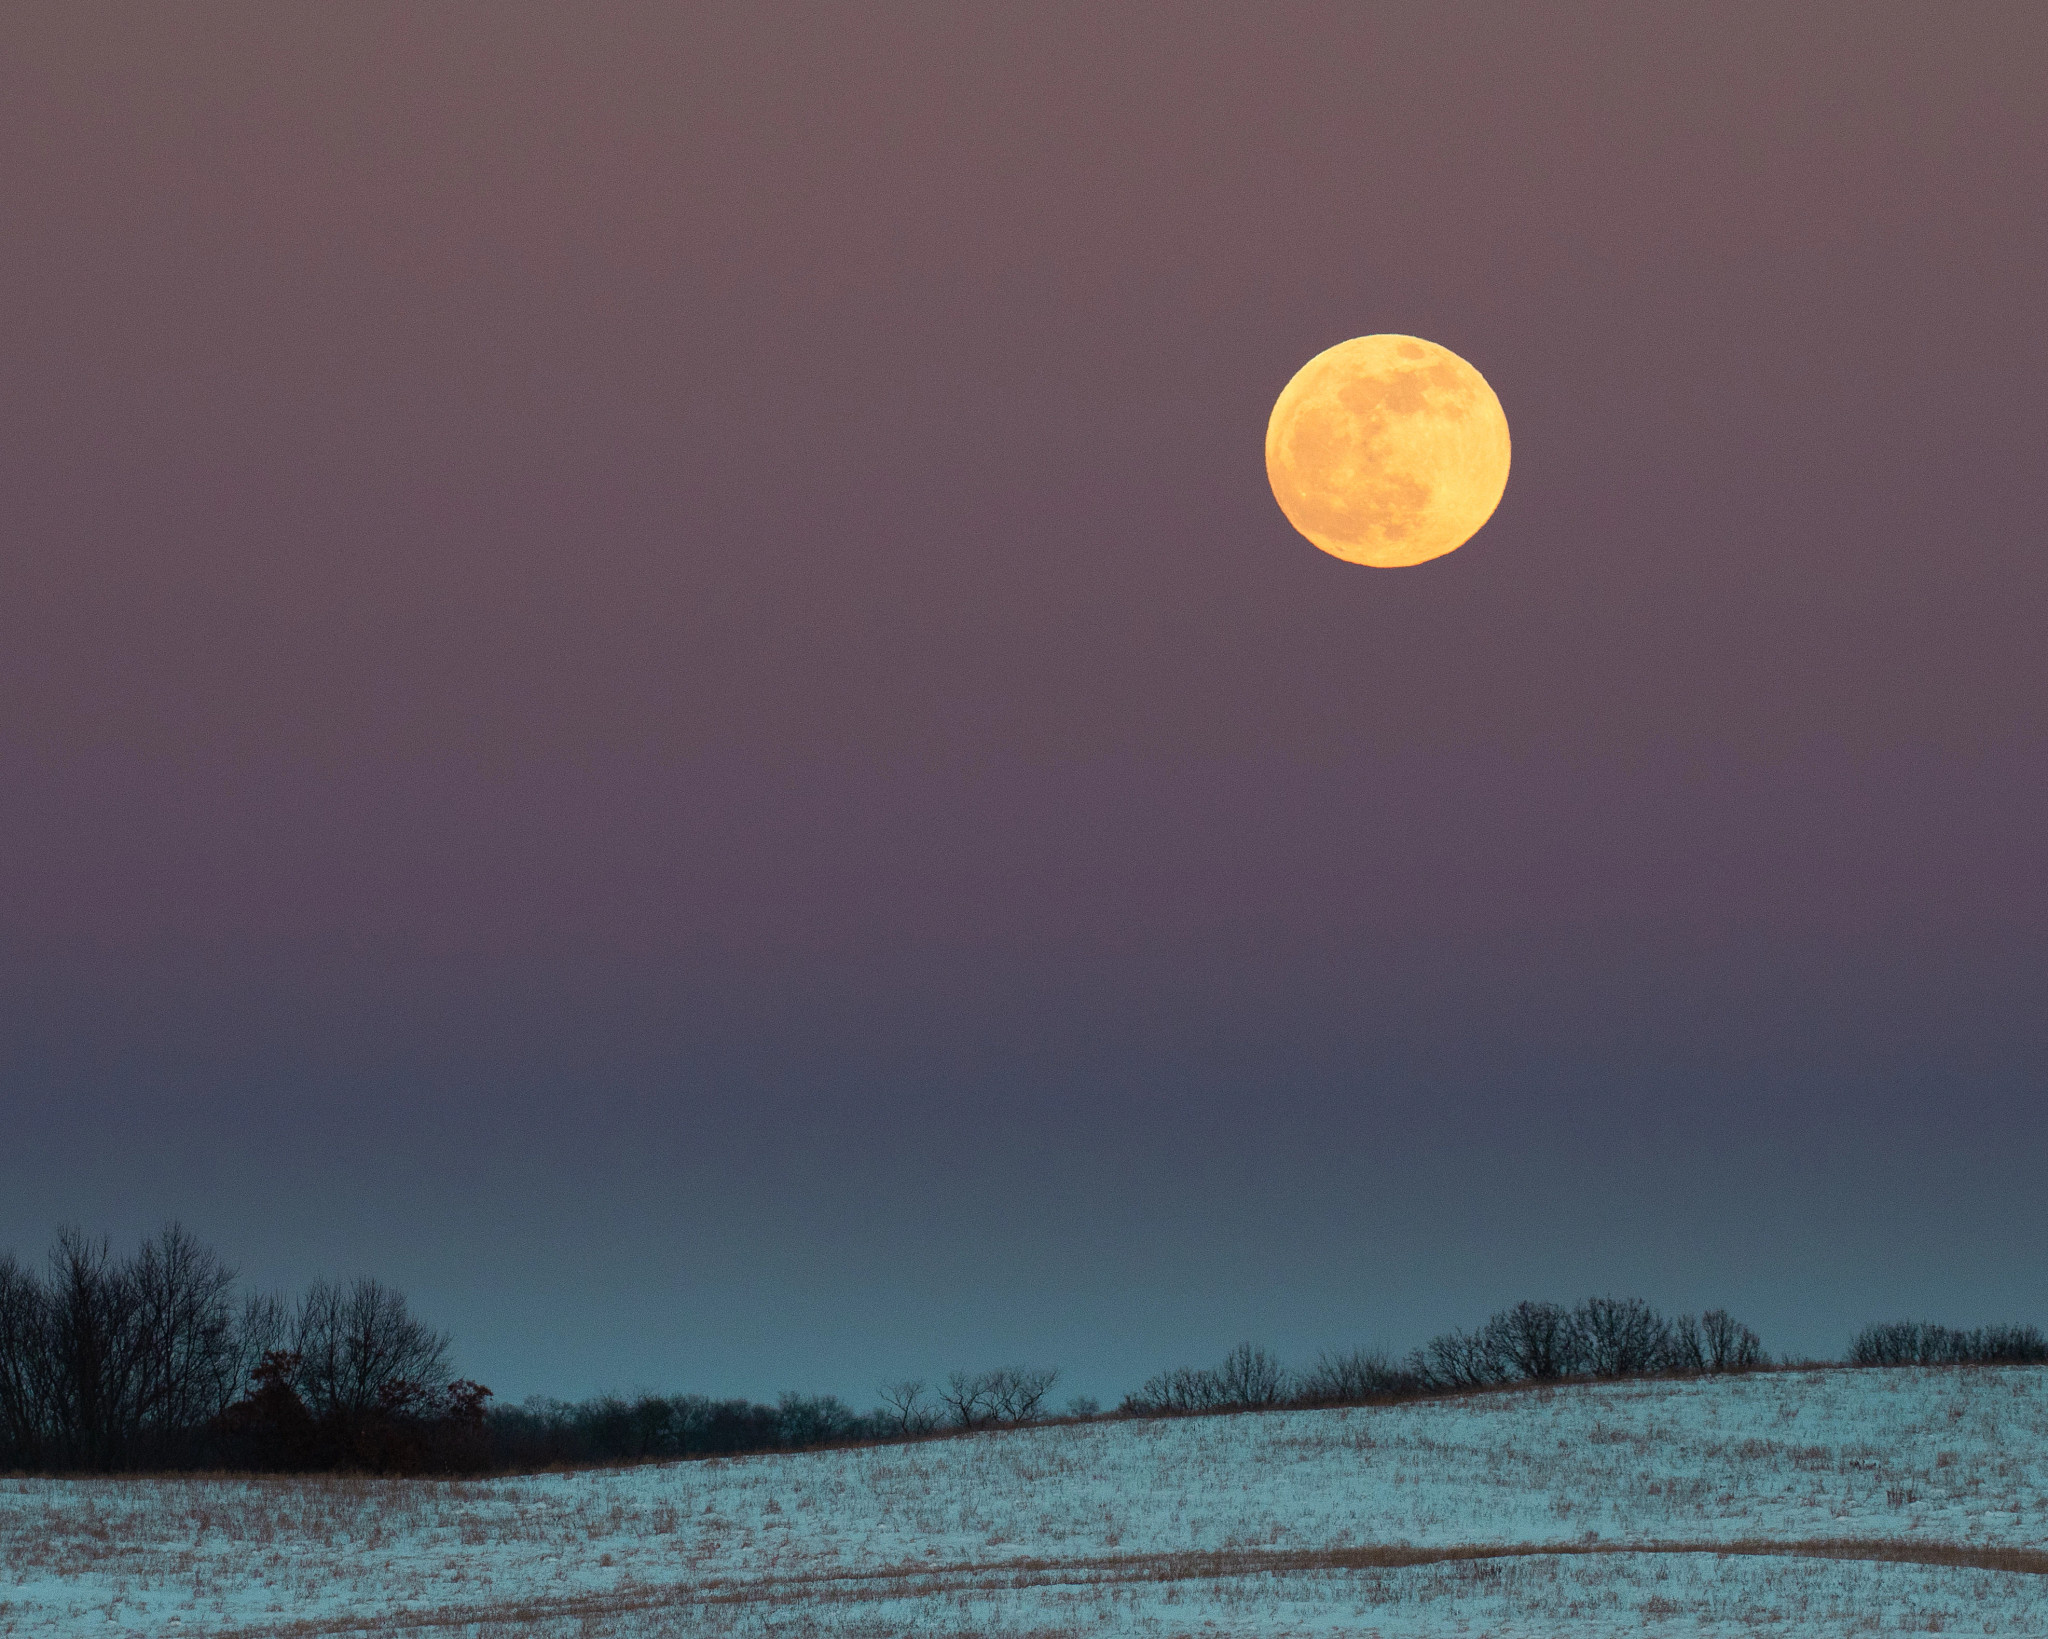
{"x": 1387, "y": 450}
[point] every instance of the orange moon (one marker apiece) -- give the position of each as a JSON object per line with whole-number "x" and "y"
{"x": 1387, "y": 450}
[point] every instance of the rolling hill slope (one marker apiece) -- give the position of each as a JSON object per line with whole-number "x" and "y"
{"x": 1802, "y": 1502}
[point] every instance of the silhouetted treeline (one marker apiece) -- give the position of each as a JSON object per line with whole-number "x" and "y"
{"x": 1529, "y": 1343}
{"x": 1916, "y": 1343}
{"x": 1600, "y": 1338}
{"x": 543, "y": 1433}
{"x": 153, "y": 1361}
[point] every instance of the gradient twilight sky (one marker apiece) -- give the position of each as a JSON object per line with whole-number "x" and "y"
{"x": 648, "y": 683}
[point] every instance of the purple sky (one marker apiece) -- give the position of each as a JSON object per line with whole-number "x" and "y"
{"x": 648, "y": 682}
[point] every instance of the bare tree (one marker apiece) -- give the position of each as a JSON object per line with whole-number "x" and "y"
{"x": 1017, "y": 1393}
{"x": 1183, "y": 1389}
{"x": 1919, "y": 1343}
{"x": 966, "y": 1399}
{"x": 1248, "y": 1378}
{"x": 107, "y": 1362}
{"x": 1618, "y": 1337}
{"x": 1730, "y": 1345}
{"x": 1887, "y": 1343}
{"x": 1458, "y": 1360}
{"x": 2011, "y": 1345}
{"x": 813, "y": 1419}
{"x": 185, "y": 1348}
{"x": 905, "y": 1408}
{"x": 1685, "y": 1348}
{"x": 1008, "y": 1394}
{"x": 361, "y": 1349}
{"x": 94, "y": 1348}
{"x": 24, "y": 1355}
{"x": 1533, "y": 1341}
{"x": 1251, "y": 1378}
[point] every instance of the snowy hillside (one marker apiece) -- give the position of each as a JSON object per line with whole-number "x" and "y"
{"x": 1279, "y": 1523}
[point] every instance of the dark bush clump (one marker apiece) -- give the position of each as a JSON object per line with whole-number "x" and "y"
{"x": 1529, "y": 1343}
{"x": 1600, "y": 1338}
{"x": 1248, "y": 1379}
{"x": 150, "y": 1362}
{"x": 1917, "y": 1343}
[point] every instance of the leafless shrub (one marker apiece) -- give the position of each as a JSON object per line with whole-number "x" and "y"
{"x": 1532, "y": 1342}
{"x": 1183, "y": 1389}
{"x": 1352, "y": 1379}
{"x": 1251, "y": 1378}
{"x": 1894, "y": 1343}
{"x": 1535, "y": 1342}
{"x": 2011, "y": 1345}
{"x": 1918, "y": 1343}
{"x": 1730, "y": 1345}
{"x": 1248, "y": 1379}
{"x": 1685, "y": 1348}
{"x": 1618, "y": 1337}
{"x": 1458, "y": 1360}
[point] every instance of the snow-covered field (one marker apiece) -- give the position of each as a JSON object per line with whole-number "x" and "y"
{"x": 1800, "y": 1503}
